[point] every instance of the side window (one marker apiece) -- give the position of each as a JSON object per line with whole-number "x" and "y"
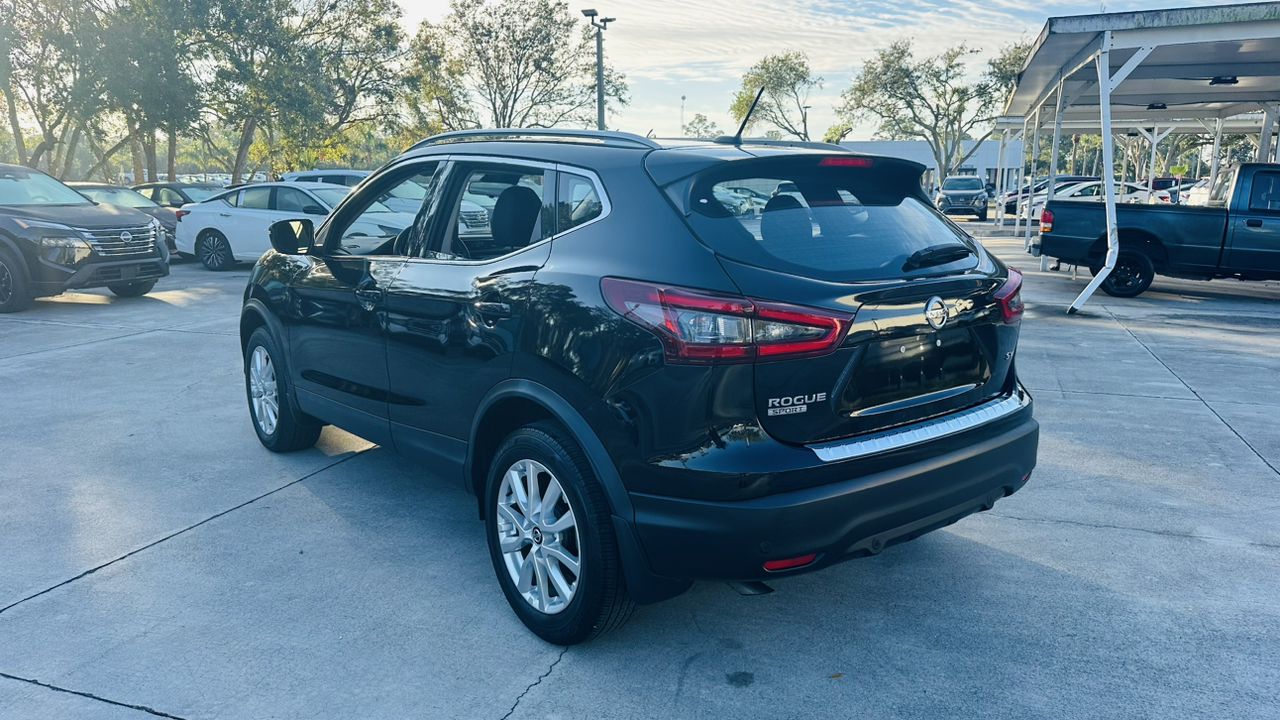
{"x": 350, "y": 180}
{"x": 1265, "y": 196}
{"x": 386, "y": 218}
{"x": 146, "y": 192}
{"x": 493, "y": 210}
{"x": 256, "y": 198}
{"x": 578, "y": 202}
{"x": 169, "y": 197}
{"x": 291, "y": 200}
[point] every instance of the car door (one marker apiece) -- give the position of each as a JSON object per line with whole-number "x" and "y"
{"x": 338, "y": 311}
{"x": 1255, "y": 227}
{"x": 455, "y": 313}
{"x": 246, "y": 225}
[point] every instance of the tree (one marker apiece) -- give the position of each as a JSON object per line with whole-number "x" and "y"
{"x": 701, "y": 127}
{"x": 930, "y": 98}
{"x": 787, "y": 81}
{"x": 837, "y": 133}
{"x": 527, "y": 63}
{"x": 436, "y": 98}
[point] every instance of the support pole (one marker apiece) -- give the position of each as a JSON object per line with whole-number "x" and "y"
{"x": 1004, "y": 137}
{"x": 1215, "y": 162}
{"x": 1053, "y": 162}
{"x": 1108, "y": 174}
{"x": 1022, "y": 171}
{"x": 1154, "y": 137}
{"x": 1264, "y": 139}
{"x": 1031, "y": 183}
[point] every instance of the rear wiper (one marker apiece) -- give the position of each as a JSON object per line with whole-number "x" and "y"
{"x": 936, "y": 255}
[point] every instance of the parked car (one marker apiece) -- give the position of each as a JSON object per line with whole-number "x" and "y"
{"x": 125, "y": 197}
{"x": 232, "y": 227}
{"x": 642, "y": 388}
{"x": 177, "y": 194}
{"x": 1126, "y": 193}
{"x": 349, "y": 178}
{"x": 53, "y": 239}
{"x": 1197, "y": 194}
{"x": 963, "y": 195}
{"x": 1236, "y": 235}
{"x": 1014, "y": 198}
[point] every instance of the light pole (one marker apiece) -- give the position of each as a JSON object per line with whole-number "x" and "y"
{"x": 600, "y": 25}
{"x": 682, "y": 116}
{"x": 804, "y": 120}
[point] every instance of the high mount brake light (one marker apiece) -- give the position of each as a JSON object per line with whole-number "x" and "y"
{"x": 1046, "y": 221}
{"x": 845, "y": 162}
{"x": 1010, "y": 297}
{"x": 701, "y": 327}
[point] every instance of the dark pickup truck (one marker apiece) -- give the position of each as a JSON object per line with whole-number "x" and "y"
{"x": 1237, "y": 234}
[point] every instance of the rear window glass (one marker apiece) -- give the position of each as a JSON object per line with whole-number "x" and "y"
{"x": 200, "y": 193}
{"x": 832, "y": 223}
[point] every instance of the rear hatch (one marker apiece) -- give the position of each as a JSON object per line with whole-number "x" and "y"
{"x": 932, "y": 317}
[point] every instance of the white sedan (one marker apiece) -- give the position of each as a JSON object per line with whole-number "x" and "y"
{"x": 1126, "y": 192}
{"x": 233, "y": 226}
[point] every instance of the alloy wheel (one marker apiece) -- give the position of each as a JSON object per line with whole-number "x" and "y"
{"x": 6, "y": 283}
{"x": 211, "y": 252}
{"x": 262, "y": 390}
{"x": 538, "y": 536}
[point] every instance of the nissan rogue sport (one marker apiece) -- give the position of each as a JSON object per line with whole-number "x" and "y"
{"x": 642, "y": 385}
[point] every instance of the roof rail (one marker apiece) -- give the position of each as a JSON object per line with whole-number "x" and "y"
{"x": 602, "y": 137}
{"x": 731, "y": 140}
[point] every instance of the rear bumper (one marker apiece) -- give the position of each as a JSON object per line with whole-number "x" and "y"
{"x": 1064, "y": 247}
{"x": 855, "y": 517}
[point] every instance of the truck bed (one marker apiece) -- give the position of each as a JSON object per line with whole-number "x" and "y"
{"x": 1191, "y": 235}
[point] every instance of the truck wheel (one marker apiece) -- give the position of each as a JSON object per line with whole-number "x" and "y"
{"x": 132, "y": 289}
{"x": 1131, "y": 276}
{"x": 551, "y": 537}
{"x": 214, "y": 251}
{"x": 267, "y": 385}
{"x": 14, "y": 296}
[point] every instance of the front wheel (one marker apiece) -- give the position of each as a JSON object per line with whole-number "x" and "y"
{"x": 214, "y": 251}
{"x": 279, "y": 428}
{"x": 1132, "y": 275}
{"x": 551, "y": 538}
{"x": 132, "y": 289}
{"x": 14, "y": 296}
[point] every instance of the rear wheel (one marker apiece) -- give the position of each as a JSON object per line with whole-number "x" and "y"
{"x": 279, "y": 428}
{"x": 551, "y": 538}
{"x": 14, "y": 296}
{"x": 1132, "y": 275}
{"x": 214, "y": 251}
{"x": 132, "y": 289}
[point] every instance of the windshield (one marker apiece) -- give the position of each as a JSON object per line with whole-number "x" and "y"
{"x": 200, "y": 193}
{"x": 840, "y": 224}
{"x": 22, "y": 187}
{"x": 116, "y": 196}
{"x": 962, "y": 183}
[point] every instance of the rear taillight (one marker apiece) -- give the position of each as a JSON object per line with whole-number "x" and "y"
{"x": 1046, "y": 221}
{"x": 701, "y": 327}
{"x": 182, "y": 213}
{"x": 1010, "y": 297}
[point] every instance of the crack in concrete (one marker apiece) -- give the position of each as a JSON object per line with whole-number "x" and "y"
{"x": 91, "y": 696}
{"x": 76, "y": 345}
{"x": 1165, "y": 533}
{"x": 535, "y": 683}
{"x": 1193, "y": 392}
{"x": 135, "y": 551}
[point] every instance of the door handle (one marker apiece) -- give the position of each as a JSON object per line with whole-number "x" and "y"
{"x": 369, "y": 296}
{"x": 492, "y": 309}
{"x": 225, "y": 214}
{"x": 1253, "y": 222}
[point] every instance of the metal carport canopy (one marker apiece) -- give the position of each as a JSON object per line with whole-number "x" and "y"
{"x": 1169, "y": 65}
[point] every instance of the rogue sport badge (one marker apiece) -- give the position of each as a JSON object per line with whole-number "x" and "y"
{"x": 935, "y": 311}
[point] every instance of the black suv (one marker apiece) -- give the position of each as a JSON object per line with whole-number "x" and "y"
{"x": 53, "y": 239}
{"x": 964, "y": 195}
{"x": 642, "y": 387}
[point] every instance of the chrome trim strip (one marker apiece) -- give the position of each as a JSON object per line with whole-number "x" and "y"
{"x": 922, "y": 432}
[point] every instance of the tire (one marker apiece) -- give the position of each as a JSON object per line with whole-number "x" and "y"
{"x": 1131, "y": 276}
{"x": 14, "y": 294}
{"x": 132, "y": 289}
{"x": 982, "y": 216}
{"x": 279, "y": 428}
{"x": 597, "y": 599}
{"x": 214, "y": 251}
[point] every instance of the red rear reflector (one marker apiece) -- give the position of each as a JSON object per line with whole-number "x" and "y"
{"x": 1046, "y": 221}
{"x": 845, "y": 162}
{"x": 789, "y": 563}
{"x": 1010, "y": 297}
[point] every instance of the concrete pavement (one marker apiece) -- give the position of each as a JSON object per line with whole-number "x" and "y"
{"x": 156, "y": 561}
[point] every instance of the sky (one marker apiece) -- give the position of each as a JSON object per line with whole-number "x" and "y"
{"x": 699, "y": 49}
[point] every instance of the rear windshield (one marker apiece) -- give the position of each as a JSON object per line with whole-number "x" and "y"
{"x": 200, "y": 193}
{"x": 831, "y": 223}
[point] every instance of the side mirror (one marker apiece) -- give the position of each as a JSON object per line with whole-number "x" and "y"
{"x": 315, "y": 210}
{"x": 291, "y": 237}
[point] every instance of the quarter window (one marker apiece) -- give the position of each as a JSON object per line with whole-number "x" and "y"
{"x": 578, "y": 202}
